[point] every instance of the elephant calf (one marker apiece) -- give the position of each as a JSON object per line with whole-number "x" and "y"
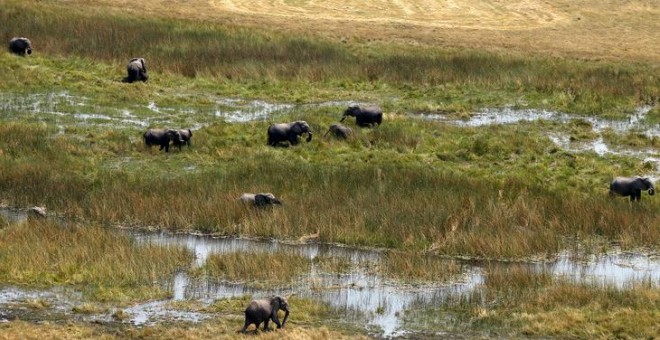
{"x": 339, "y": 131}
{"x": 137, "y": 70}
{"x": 264, "y": 310}
{"x": 20, "y": 46}
{"x": 186, "y": 135}
{"x": 260, "y": 199}
{"x": 631, "y": 186}
{"x": 162, "y": 137}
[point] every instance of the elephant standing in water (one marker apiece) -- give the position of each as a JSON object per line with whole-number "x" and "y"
{"x": 162, "y": 137}
{"x": 186, "y": 135}
{"x": 20, "y": 46}
{"x": 290, "y": 132}
{"x": 260, "y": 199}
{"x": 339, "y": 131}
{"x": 137, "y": 70}
{"x": 366, "y": 117}
{"x": 264, "y": 310}
{"x": 631, "y": 186}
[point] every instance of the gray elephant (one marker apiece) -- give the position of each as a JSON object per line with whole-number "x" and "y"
{"x": 631, "y": 186}
{"x": 162, "y": 137}
{"x": 260, "y": 199}
{"x": 186, "y": 135}
{"x": 264, "y": 310}
{"x": 364, "y": 117}
{"x": 21, "y": 46}
{"x": 137, "y": 70}
{"x": 339, "y": 131}
{"x": 290, "y": 132}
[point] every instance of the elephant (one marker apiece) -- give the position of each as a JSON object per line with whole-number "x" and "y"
{"x": 339, "y": 131}
{"x": 162, "y": 137}
{"x": 260, "y": 199}
{"x": 366, "y": 117}
{"x": 283, "y": 132}
{"x": 264, "y": 310}
{"x": 137, "y": 70}
{"x": 631, "y": 186}
{"x": 21, "y": 46}
{"x": 186, "y": 135}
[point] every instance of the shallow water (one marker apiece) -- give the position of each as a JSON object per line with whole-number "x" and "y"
{"x": 362, "y": 298}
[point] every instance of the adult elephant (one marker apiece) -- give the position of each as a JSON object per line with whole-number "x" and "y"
{"x": 283, "y": 132}
{"x": 264, "y": 310}
{"x": 186, "y": 135}
{"x": 631, "y": 186}
{"x": 21, "y": 46}
{"x": 162, "y": 137}
{"x": 260, "y": 199}
{"x": 364, "y": 117}
{"x": 339, "y": 131}
{"x": 137, "y": 70}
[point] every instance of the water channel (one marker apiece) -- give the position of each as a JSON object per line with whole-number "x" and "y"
{"x": 361, "y": 298}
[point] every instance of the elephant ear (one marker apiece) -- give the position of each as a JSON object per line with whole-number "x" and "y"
{"x": 275, "y": 302}
{"x": 296, "y": 128}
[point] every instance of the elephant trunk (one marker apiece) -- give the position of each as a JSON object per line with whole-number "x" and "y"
{"x": 286, "y": 316}
{"x": 309, "y": 137}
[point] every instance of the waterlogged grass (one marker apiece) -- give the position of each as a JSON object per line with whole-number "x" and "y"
{"x": 189, "y": 55}
{"x": 257, "y": 268}
{"x": 518, "y": 302}
{"x": 495, "y": 192}
{"x": 106, "y": 266}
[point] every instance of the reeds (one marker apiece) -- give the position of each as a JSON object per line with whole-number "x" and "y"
{"x": 110, "y": 266}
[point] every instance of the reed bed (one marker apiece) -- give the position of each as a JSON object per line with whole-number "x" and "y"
{"x": 109, "y": 266}
{"x": 262, "y": 268}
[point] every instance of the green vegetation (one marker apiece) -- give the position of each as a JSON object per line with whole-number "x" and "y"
{"x": 517, "y": 302}
{"x": 70, "y": 140}
{"x": 104, "y": 265}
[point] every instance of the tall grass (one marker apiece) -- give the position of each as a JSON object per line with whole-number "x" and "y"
{"x": 233, "y": 53}
{"x": 109, "y": 266}
{"x": 469, "y": 204}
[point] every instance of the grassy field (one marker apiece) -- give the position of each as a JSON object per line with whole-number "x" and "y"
{"x": 70, "y": 140}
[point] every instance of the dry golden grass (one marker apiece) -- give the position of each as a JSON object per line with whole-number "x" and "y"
{"x": 589, "y": 29}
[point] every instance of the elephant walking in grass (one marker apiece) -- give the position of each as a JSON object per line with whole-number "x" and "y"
{"x": 260, "y": 199}
{"x": 288, "y": 132}
{"x": 137, "y": 70}
{"x": 339, "y": 131}
{"x": 364, "y": 117}
{"x": 264, "y": 310}
{"x": 186, "y": 135}
{"x": 20, "y": 46}
{"x": 162, "y": 137}
{"x": 631, "y": 186}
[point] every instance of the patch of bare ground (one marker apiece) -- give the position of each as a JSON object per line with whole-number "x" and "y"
{"x": 592, "y": 29}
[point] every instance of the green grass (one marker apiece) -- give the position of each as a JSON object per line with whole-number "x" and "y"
{"x": 250, "y": 62}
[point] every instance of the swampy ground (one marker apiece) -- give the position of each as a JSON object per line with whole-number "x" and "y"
{"x": 427, "y": 185}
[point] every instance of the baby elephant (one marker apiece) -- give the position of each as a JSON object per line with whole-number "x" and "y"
{"x": 162, "y": 137}
{"x": 260, "y": 199}
{"x": 339, "y": 131}
{"x": 265, "y": 310}
{"x": 137, "y": 70}
{"x": 21, "y": 46}
{"x": 631, "y": 186}
{"x": 186, "y": 135}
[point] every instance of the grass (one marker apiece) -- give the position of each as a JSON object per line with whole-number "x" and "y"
{"x": 104, "y": 265}
{"x": 518, "y": 302}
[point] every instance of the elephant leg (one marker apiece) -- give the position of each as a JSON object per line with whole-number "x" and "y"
{"x": 266, "y": 325}
{"x": 247, "y": 324}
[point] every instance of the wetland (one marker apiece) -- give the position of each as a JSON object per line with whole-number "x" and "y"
{"x": 478, "y": 209}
